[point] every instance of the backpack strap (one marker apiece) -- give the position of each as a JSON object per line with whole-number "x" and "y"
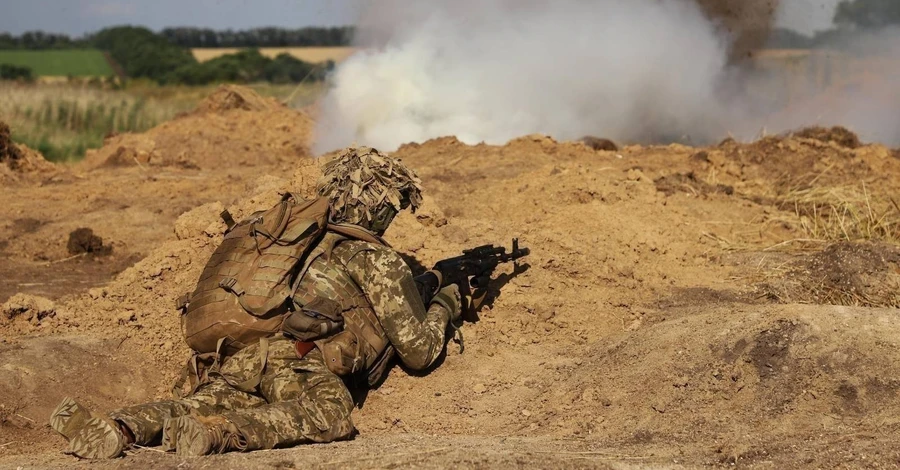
{"x": 357, "y": 233}
{"x": 250, "y": 384}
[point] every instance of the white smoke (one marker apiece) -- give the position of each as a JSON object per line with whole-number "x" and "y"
{"x": 632, "y": 71}
{"x": 491, "y": 70}
{"x": 853, "y": 84}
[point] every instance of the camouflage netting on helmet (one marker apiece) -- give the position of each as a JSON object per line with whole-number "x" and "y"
{"x": 360, "y": 181}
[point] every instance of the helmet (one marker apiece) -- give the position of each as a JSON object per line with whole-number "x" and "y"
{"x": 368, "y": 188}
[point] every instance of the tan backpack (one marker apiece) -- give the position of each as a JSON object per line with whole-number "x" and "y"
{"x": 244, "y": 291}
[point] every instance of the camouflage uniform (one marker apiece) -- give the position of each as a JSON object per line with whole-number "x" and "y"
{"x": 301, "y": 400}
{"x": 277, "y": 393}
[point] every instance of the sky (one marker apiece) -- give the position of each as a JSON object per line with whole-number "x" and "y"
{"x": 76, "y": 17}
{"x": 807, "y": 16}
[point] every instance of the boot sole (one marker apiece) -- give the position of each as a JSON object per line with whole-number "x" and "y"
{"x": 191, "y": 437}
{"x": 69, "y": 417}
{"x": 99, "y": 438}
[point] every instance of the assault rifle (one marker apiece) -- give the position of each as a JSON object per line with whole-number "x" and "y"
{"x": 471, "y": 270}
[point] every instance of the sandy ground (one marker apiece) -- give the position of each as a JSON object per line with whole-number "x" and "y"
{"x": 681, "y": 308}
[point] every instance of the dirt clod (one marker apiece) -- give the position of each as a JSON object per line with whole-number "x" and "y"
{"x": 837, "y": 134}
{"x": 27, "y": 307}
{"x": 598, "y": 143}
{"x": 83, "y": 240}
{"x": 689, "y": 183}
{"x": 9, "y": 152}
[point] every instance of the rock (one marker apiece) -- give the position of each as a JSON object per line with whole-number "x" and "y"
{"x": 479, "y": 388}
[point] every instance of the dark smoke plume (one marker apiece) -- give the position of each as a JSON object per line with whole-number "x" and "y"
{"x": 747, "y": 22}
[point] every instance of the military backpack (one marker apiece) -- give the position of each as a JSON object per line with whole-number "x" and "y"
{"x": 244, "y": 292}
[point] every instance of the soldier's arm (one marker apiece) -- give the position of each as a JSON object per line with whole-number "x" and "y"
{"x": 417, "y": 334}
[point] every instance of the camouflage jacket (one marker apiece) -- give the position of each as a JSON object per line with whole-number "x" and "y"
{"x": 381, "y": 307}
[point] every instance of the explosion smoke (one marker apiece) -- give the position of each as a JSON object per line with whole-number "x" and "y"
{"x": 746, "y": 22}
{"x": 491, "y": 70}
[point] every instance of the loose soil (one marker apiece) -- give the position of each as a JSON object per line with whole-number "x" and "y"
{"x": 642, "y": 331}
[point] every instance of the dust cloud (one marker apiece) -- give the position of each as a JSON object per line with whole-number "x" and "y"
{"x": 853, "y": 84}
{"x": 638, "y": 71}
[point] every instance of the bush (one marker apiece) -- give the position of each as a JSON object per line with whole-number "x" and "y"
{"x": 286, "y": 68}
{"x": 248, "y": 66}
{"x": 14, "y": 72}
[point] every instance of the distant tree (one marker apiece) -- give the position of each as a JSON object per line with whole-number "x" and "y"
{"x": 867, "y": 14}
{"x": 782, "y": 38}
{"x": 260, "y": 37}
{"x": 190, "y": 37}
{"x": 141, "y": 52}
{"x": 38, "y": 40}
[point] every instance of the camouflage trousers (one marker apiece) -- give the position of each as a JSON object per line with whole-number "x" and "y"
{"x": 297, "y": 400}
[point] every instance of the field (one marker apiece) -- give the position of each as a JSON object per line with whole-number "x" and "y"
{"x": 308, "y": 54}
{"x": 68, "y": 62}
{"x": 731, "y": 306}
{"x": 63, "y": 121}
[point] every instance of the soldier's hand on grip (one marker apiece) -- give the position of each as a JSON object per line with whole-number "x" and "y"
{"x": 449, "y": 298}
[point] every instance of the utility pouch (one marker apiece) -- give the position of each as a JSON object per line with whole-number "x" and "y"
{"x": 342, "y": 353}
{"x": 316, "y": 320}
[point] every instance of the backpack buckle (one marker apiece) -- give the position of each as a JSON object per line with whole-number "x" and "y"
{"x": 230, "y": 284}
{"x": 182, "y": 302}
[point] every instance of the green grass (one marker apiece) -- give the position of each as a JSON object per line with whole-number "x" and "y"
{"x": 56, "y": 63}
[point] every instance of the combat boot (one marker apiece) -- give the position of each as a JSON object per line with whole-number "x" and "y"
{"x": 202, "y": 435}
{"x": 90, "y": 435}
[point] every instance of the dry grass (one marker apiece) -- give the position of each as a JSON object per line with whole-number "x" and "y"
{"x": 307, "y": 54}
{"x": 849, "y": 254}
{"x": 862, "y": 274}
{"x": 63, "y": 121}
{"x": 843, "y": 213}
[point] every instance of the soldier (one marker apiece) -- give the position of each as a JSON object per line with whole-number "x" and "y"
{"x": 284, "y": 391}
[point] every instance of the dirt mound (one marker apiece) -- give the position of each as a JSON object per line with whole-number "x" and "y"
{"x": 228, "y": 97}
{"x": 95, "y": 369}
{"x": 631, "y": 328}
{"x": 17, "y": 161}
{"x": 232, "y": 127}
{"x": 838, "y": 135}
{"x": 790, "y": 371}
{"x": 858, "y": 274}
{"x": 139, "y": 304}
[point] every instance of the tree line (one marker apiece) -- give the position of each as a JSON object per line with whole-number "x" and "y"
{"x": 189, "y": 37}
{"x": 141, "y": 53}
{"x": 851, "y": 18}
